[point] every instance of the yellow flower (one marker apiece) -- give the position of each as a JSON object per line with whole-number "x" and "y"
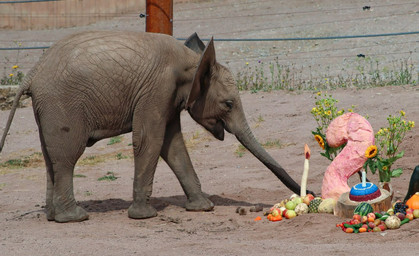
{"x": 247, "y": 63}
{"x": 329, "y": 113}
{"x": 11, "y": 75}
{"x": 340, "y": 112}
{"x": 402, "y": 113}
{"x": 15, "y": 67}
{"x": 411, "y": 124}
{"x": 319, "y": 93}
{"x": 371, "y": 151}
{"x": 319, "y": 140}
{"x": 350, "y": 110}
{"x": 385, "y": 168}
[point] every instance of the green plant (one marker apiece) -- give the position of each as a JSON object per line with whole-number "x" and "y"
{"x": 12, "y": 78}
{"x": 382, "y": 156}
{"x": 120, "y": 156}
{"x": 324, "y": 112}
{"x": 240, "y": 150}
{"x": 79, "y": 176}
{"x": 114, "y": 140}
{"x": 110, "y": 176}
{"x": 26, "y": 161}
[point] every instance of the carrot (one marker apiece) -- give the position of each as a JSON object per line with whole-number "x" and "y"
{"x": 269, "y": 217}
{"x": 258, "y": 218}
{"x": 277, "y": 218}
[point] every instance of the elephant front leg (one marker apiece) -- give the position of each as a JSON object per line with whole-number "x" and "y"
{"x": 174, "y": 152}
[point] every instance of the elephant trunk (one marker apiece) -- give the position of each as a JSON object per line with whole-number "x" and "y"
{"x": 246, "y": 137}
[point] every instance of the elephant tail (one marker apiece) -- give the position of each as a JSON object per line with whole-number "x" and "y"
{"x": 23, "y": 90}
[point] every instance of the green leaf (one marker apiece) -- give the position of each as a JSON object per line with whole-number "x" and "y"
{"x": 400, "y": 155}
{"x": 396, "y": 172}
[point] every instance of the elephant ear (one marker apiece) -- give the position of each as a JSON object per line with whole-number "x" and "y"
{"x": 203, "y": 74}
{"x": 194, "y": 43}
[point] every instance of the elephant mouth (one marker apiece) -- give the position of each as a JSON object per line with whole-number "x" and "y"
{"x": 218, "y": 130}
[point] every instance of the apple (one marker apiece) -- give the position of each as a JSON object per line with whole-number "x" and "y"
{"x": 400, "y": 215}
{"x": 275, "y": 212}
{"x": 377, "y": 222}
{"x": 364, "y": 219}
{"x": 371, "y": 215}
{"x": 376, "y": 229}
{"x": 355, "y": 221}
{"x": 290, "y": 214}
{"x": 409, "y": 210}
{"x": 297, "y": 200}
{"x": 371, "y": 225}
{"x": 357, "y": 217}
{"x": 416, "y": 213}
{"x": 307, "y": 199}
{"x": 382, "y": 226}
{"x": 284, "y": 212}
{"x": 365, "y": 226}
{"x": 290, "y": 205}
{"x": 410, "y": 216}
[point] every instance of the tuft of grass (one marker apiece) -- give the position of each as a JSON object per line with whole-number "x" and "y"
{"x": 110, "y": 176}
{"x": 114, "y": 140}
{"x": 121, "y": 156}
{"x": 240, "y": 150}
{"x": 272, "y": 144}
{"x": 2, "y": 185}
{"x": 364, "y": 73}
{"x": 88, "y": 193}
{"x": 92, "y": 160}
{"x": 32, "y": 160}
{"x": 79, "y": 176}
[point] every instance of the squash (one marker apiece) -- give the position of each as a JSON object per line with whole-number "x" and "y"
{"x": 413, "y": 202}
{"x": 363, "y": 209}
{"x": 413, "y": 184}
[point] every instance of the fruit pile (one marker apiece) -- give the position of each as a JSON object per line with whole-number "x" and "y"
{"x": 296, "y": 205}
{"x": 365, "y": 220}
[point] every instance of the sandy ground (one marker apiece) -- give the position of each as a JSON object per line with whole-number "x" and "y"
{"x": 229, "y": 180}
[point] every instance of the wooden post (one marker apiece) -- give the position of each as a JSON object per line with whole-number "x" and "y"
{"x": 159, "y": 16}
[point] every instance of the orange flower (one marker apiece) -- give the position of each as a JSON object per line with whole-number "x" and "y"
{"x": 371, "y": 151}
{"x": 319, "y": 140}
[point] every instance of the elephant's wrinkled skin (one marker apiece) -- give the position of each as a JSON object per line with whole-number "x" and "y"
{"x": 95, "y": 85}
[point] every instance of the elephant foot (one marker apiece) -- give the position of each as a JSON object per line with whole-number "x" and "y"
{"x": 199, "y": 204}
{"x": 77, "y": 214}
{"x": 50, "y": 213}
{"x": 141, "y": 212}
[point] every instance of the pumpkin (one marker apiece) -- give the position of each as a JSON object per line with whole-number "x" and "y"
{"x": 413, "y": 202}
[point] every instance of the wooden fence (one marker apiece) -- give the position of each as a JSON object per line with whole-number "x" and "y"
{"x": 66, "y": 13}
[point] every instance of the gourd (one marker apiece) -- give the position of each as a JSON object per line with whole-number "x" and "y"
{"x": 413, "y": 202}
{"x": 363, "y": 209}
{"x": 393, "y": 222}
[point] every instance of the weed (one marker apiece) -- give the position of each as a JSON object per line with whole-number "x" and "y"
{"x": 79, "y": 176}
{"x": 2, "y": 185}
{"x": 92, "y": 160}
{"x": 32, "y": 160}
{"x": 272, "y": 144}
{"x": 114, "y": 140}
{"x": 110, "y": 176}
{"x": 240, "y": 150}
{"x": 15, "y": 76}
{"x": 88, "y": 193}
{"x": 120, "y": 156}
{"x": 367, "y": 72}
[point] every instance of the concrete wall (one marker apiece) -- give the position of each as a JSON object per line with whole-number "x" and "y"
{"x": 66, "y": 13}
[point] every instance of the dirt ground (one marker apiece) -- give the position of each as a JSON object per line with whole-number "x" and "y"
{"x": 228, "y": 179}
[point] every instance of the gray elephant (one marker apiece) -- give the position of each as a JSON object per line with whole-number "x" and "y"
{"x": 95, "y": 85}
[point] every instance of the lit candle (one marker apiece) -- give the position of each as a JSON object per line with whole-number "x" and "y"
{"x": 305, "y": 172}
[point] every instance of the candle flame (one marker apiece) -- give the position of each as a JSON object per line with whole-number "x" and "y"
{"x": 307, "y": 152}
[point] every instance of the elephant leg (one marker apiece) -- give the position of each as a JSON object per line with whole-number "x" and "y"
{"x": 61, "y": 149}
{"x": 175, "y": 154}
{"x": 147, "y": 141}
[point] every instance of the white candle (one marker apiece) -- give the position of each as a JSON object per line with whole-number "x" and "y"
{"x": 305, "y": 172}
{"x": 364, "y": 179}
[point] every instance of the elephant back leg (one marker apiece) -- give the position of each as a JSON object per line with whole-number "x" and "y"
{"x": 62, "y": 142}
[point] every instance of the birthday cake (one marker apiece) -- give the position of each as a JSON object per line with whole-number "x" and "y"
{"x": 364, "y": 192}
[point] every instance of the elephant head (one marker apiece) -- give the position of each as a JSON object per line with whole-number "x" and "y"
{"x": 214, "y": 102}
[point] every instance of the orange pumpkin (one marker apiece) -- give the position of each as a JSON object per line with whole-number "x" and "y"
{"x": 413, "y": 202}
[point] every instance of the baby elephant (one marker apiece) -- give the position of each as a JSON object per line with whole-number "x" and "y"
{"x": 95, "y": 85}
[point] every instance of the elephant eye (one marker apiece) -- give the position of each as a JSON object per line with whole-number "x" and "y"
{"x": 229, "y": 104}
